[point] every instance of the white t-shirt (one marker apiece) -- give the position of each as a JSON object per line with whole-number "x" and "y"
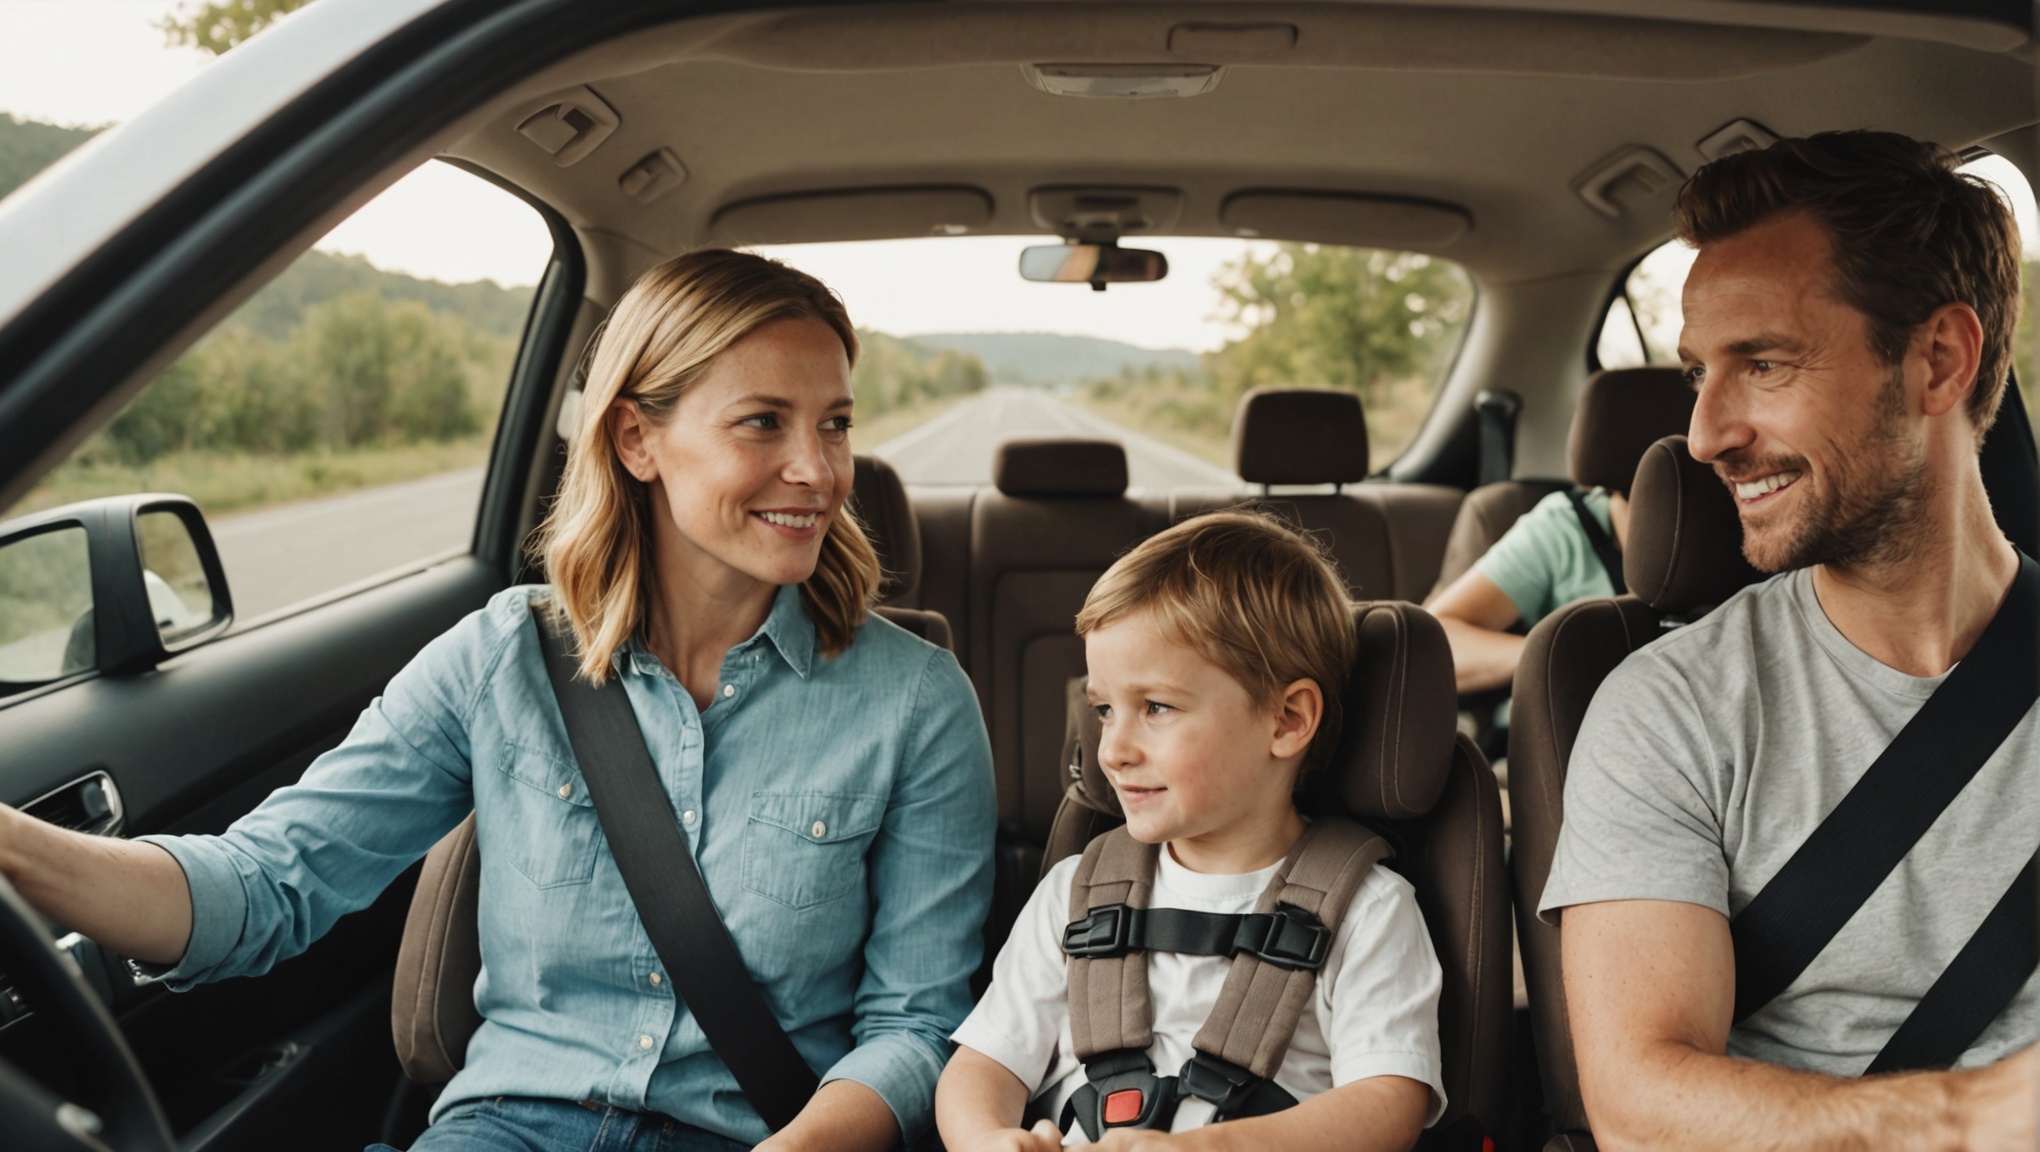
{"x": 1374, "y": 1011}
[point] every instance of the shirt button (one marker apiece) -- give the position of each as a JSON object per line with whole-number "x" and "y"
{"x": 657, "y": 979}
{"x": 729, "y": 690}
{"x": 566, "y": 791}
{"x": 686, "y": 818}
{"x": 820, "y": 829}
{"x": 644, "y": 1043}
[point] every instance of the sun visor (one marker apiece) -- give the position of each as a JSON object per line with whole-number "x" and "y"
{"x": 1344, "y": 218}
{"x": 854, "y": 214}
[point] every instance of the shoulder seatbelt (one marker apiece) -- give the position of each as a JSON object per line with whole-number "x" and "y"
{"x": 1780, "y": 932}
{"x": 1276, "y": 952}
{"x": 666, "y": 888}
{"x": 1603, "y": 545}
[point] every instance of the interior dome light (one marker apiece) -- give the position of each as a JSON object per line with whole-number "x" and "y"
{"x": 1124, "y": 81}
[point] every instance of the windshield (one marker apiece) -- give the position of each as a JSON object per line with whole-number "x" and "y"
{"x": 960, "y": 352}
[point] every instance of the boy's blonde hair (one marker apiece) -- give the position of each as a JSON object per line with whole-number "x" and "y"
{"x": 1249, "y": 593}
{"x": 663, "y": 335}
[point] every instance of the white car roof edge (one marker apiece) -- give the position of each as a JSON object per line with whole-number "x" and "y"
{"x": 72, "y": 209}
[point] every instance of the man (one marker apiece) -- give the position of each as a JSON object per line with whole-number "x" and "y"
{"x": 1848, "y": 327}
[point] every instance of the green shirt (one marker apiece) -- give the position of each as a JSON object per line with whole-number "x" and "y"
{"x": 1544, "y": 562}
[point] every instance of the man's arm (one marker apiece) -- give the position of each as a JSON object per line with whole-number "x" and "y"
{"x": 1650, "y": 992}
{"x": 1378, "y": 1114}
{"x": 1475, "y": 613}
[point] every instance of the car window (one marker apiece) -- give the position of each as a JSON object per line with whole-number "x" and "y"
{"x": 960, "y": 352}
{"x": 1642, "y": 323}
{"x": 333, "y": 429}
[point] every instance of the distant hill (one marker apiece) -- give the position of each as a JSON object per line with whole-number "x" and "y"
{"x": 316, "y": 277}
{"x": 1047, "y": 359}
{"x": 29, "y": 146}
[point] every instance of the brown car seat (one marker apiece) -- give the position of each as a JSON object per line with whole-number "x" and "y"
{"x": 1621, "y": 413}
{"x": 1402, "y": 768}
{"x": 880, "y": 502}
{"x": 1311, "y": 436}
{"x": 1684, "y": 557}
{"x": 1058, "y": 518}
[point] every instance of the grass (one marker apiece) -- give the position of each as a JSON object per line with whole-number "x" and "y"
{"x": 1211, "y": 447}
{"x": 871, "y": 431}
{"x": 225, "y": 483}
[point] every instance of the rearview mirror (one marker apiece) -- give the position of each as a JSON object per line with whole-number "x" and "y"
{"x": 112, "y": 586}
{"x": 1093, "y": 264}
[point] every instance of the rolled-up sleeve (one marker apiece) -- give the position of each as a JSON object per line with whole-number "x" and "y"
{"x": 931, "y": 881}
{"x": 278, "y": 879}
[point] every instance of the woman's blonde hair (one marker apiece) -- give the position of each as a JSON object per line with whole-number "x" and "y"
{"x": 596, "y": 542}
{"x": 1249, "y": 593}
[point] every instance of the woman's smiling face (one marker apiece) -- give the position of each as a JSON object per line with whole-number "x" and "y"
{"x": 753, "y": 463}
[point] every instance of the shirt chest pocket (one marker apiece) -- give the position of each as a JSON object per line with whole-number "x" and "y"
{"x": 552, "y": 828}
{"x": 807, "y": 848}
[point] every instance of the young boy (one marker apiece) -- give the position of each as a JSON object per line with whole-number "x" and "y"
{"x": 1217, "y": 652}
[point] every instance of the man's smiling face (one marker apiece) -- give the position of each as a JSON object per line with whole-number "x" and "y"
{"x": 1812, "y": 431}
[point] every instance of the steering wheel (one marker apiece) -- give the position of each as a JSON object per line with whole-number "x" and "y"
{"x": 127, "y": 1118}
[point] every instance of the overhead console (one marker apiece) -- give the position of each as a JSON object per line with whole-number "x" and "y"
{"x": 1357, "y": 219}
{"x": 854, "y": 214}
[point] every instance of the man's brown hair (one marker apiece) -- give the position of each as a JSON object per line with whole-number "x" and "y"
{"x": 1907, "y": 232}
{"x": 1249, "y": 593}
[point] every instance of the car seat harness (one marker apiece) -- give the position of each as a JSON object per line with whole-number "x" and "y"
{"x": 1276, "y": 952}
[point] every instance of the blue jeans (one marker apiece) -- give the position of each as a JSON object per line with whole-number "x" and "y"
{"x": 524, "y": 1124}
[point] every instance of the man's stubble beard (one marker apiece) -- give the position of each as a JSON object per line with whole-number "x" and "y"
{"x": 1870, "y": 509}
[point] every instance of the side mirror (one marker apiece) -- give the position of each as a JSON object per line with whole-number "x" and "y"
{"x": 1093, "y": 264}
{"x": 114, "y": 586}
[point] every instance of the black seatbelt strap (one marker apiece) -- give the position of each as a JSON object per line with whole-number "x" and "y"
{"x": 1597, "y": 536}
{"x": 1496, "y": 409}
{"x": 1904, "y": 791}
{"x": 1974, "y": 989}
{"x": 666, "y": 888}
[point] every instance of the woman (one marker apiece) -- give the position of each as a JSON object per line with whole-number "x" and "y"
{"x": 831, "y": 772}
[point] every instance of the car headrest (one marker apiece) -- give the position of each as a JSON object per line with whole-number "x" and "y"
{"x": 881, "y": 504}
{"x": 1300, "y": 436}
{"x": 1621, "y": 413}
{"x": 1059, "y": 466}
{"x": 1400, "y": 713}
{"x": 1684, "y": 550}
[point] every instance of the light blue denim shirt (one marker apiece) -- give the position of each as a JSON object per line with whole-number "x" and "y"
{"x": 842, "y": 812}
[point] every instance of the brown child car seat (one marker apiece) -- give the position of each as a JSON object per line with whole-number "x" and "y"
{"x": 1403, "y": 770}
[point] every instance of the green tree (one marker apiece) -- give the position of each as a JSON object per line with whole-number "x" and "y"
{"x": 386, "y": 372}
{"x": 218, "y": 25}
{"x": 1353, "y": 318}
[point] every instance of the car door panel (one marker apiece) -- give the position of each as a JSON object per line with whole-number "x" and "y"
{"x": 192, "y": 746}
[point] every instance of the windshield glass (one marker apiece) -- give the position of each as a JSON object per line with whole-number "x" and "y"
{"x": 961, "y": 352}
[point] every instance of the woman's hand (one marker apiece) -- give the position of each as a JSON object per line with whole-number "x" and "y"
{"x": 130, "y": 897}
{"x": 843, "y": 1116}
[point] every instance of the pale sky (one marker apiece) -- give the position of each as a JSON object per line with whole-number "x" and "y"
{"x": 103, "y": 61}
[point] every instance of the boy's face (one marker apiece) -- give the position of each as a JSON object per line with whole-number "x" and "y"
{"x": 1196, "y": 761}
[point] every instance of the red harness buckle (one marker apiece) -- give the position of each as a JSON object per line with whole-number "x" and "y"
{"x": 1123, "y": 1106}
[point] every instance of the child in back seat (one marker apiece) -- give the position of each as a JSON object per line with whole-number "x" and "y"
{"x": 1218, "y": 651}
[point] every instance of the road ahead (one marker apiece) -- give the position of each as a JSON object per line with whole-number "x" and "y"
{"x": 956, "y": 447}
{"x": 279, "y": 556}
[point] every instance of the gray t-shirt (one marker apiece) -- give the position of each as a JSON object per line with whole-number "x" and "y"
{"x": 1710, "y": 755}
